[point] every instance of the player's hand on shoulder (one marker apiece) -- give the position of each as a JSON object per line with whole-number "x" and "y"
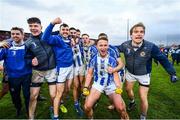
{"x": 4, "y": 44}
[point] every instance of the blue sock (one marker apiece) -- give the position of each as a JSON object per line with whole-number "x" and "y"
{"x": 76, "y": 103}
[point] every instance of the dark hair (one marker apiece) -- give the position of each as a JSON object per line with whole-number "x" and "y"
{"x": 85, "y": 34}
{"x": 77, "y": 30}
{"x": 19, "y": 29}
{"x": 72, "y": 28}
{"x": 33, "y": 20}
{"x": 63, "y": 25}
{"x": 101, "y": 38}
{"x": 102, "y": 35}
{"x": 140, "y": 24}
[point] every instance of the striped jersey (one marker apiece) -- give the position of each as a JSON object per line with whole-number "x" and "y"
{"x": 88, "y": 53}
{"x": 113, "y": 52}
{"x": 100, "y": 65}
{"x": 77, "y": 55}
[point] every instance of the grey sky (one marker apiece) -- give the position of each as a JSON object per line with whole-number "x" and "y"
{"x": 161, "y": 17}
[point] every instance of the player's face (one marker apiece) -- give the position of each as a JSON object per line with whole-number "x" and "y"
{"x": 85, "y": 39}
{"x": 78, "y": 34}
{"x": 64, "y": 31}
{"x": 17, "y": 36}
{"x": 102, "y": 47}
{"x": 35, "y": 29}
{"x": 137, "y": 35}
{"x": 73, "y": 33}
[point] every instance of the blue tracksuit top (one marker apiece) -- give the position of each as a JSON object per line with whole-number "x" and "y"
{"x": 62, "y": 47}
{"x": 15, "y": 60}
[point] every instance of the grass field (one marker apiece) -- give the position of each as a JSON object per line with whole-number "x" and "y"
{"x": 164, "y": 101}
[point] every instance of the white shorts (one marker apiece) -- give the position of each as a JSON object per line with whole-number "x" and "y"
{"x": 41, "y": 76}
{"x": 107, "y": 89}
{"x": 142, "y": 79}
{"x": 79, "y": 71}
{"x": 65, "y": 74}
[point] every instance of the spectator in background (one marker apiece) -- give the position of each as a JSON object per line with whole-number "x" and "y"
{"x": 5, "y": 85}
{"x": 166, "y": 52}
{"x": 178, "y": 54}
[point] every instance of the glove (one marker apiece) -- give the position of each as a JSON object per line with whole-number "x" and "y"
{"x": 174, "y": 78}
{"x": 118, "y": 91}
{"x": 86, "y": 91}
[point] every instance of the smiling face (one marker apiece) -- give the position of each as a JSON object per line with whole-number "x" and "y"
{"x": 64, "y": 31}
{"x": 73, "y": 33}
{"x": 78, "y": 34}
{"x": 102, "y": 46}
{"x": 17, "y": 36}
{"x": 35, "y": 29}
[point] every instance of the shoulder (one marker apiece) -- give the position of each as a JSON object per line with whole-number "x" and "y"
{"x": 28, "y": 41}
{"x": 125, "y": 44}
{"x": 94, "y": 58}
{"x": 93, "y": 47}
{"x": 9, "y": 40}
{"x": 149, "y": 44}
{"x": 112, "y": 59}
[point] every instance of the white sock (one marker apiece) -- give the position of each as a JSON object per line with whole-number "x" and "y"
{"x": 142, "y": 117}
{"x": 55, "y": 116}
{"x": 132, "y": 101}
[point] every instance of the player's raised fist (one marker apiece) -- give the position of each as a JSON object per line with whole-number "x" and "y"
{"x": 57, "y": 21}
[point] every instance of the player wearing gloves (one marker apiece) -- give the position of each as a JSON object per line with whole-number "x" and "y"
{"x": 103, "y": 81}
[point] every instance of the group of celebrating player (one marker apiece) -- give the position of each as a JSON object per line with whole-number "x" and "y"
{"x": 62, "y": 58}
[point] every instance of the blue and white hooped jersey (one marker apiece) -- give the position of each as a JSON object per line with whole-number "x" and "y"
{"x": 88, "y": 53}
{"x": 100, "y": 65}
{"x": 77, "y": 53}
{"x": 113, "y": 52}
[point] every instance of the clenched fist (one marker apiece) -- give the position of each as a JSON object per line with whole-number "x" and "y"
{"x": 57, "y": 21}
{"x": 34, "y": 61}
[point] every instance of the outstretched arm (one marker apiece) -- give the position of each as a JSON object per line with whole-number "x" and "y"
{"x": 158, "y": 55}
